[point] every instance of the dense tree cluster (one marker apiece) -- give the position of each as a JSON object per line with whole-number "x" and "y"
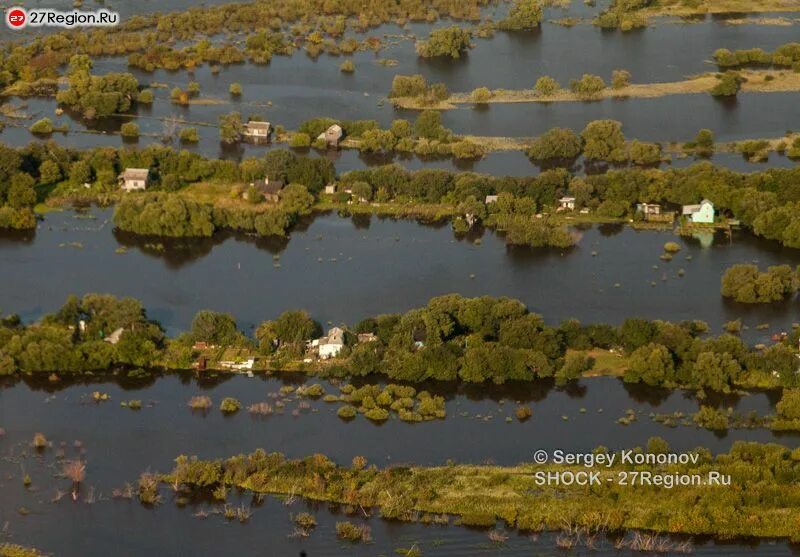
{"x": 72, "y": 340}
{"x": 786, "y": 55}
{"x": 450, "y": 41}
{"x": 745, "y": 283}
{"x": 522, "y": 16}
{"x": 97, "y": 96}
{"x": 624, "y": 15}
{"x": 451, "y": 338}
{"x": 601, "y": 140}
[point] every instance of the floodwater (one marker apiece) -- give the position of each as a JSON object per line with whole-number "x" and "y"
{"x": 577, "y": 419}
{"x": 345, "y": 269}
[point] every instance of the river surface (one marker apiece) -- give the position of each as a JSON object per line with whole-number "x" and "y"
{"x": 342, "y": 270}
{"x": 576, "y": 419}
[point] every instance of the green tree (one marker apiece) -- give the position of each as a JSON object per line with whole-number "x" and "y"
{"x": 651, "y": 364}
{"x": 556, "y": 143}
{"x": 604, "y": 140}
{"x": 448, "y": 41}
{"x": 523, "y": 15}
{"x": 20, "y": 191}
{"x": 545, "y": 86}
{"x": 214, "y": 328}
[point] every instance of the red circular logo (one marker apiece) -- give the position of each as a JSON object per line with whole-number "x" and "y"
{"x": 16, "y": 18}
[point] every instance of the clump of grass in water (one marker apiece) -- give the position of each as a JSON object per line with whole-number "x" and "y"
{"x": 230, "y": 405}
{"x": 148, "y": 489}
{"x": 200, "y": 402}
{"x": 353, "y": 532}
{"x": 75, "y": 471}
{"x": 39, "y": 441}
{"x": 260, "y": 408}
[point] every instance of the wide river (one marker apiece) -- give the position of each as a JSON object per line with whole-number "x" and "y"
{"x": 344, "y": 269}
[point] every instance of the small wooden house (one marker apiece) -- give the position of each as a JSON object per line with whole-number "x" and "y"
{"x": 332, "y": 136}
{"x": 257, "y": 130}
{"x": 566, "y": 203}
{"x": 134, "y": 179}
{"x": 271, "y": 189}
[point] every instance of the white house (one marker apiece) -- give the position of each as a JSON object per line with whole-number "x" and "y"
{"x": 257, "y": 130}
{"x": 238, "y": 365}
{"x": 330, "y": 189}
{"x": 490, "y": 199}
{"x": 330, "y": 346}
{"x": 566, "y": 203}
{"x": 702, "y": 213}
{"x": 134, "y": 179}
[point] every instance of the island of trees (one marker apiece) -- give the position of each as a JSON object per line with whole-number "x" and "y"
{"x": 452, "y": 338}
{"x": 745, "y": 283}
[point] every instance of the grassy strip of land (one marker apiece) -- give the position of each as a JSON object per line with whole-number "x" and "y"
{"x": 756, "y": 82}
{"x": 684, "y": 9}
{"x": 761, "y": 500}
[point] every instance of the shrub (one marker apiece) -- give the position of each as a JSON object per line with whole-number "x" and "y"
{"x": 672, "y": 247}
{"x": 620, "y": 79}
{"x": 145, "y": 96}
{"x": 447, "y": 41}
{"x": 523, "y": 413}
{"x": 189, "y": 135}
{"x": 129, "y": 129}
{"x": 347, "y": 412}
{"x": 230, "y": 405}
{"x": 200, "y": 402}
{"x": 523, "y": 15}
{"x": 42, "y": 127}
{"x": 377, "y": 414}
{"x": 711, "y": 418}
{"x": 347, "y": 66}
{"x": 306, "y": 521}
{"x": 728, "y": 86}
{"x": 353, "y": 532}
{"x": 588, "y": 87}
{"x": 481, "y": 95}
{"x": 300, "y": 140}
{"x": 235, "y": 89}
{"x": 39, "y": 441}
{"x": 546, "y": 86}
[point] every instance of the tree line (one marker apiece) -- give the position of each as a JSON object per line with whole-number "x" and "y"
{"x": 452, "y": 338}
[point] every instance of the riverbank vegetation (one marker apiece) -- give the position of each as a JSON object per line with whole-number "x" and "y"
{"x": 627, "y": 15}
{"x": 745, "y": 283}
{"x": 593, "y": 88}
{"x": 473, "y": 340}
{"x": 483, "y": 495}
{"x": 786, "y": 55}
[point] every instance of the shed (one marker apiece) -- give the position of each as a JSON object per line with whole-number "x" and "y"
{"x": 134, "y": 179}
{"x": 332, "y": 136}
{"x": 257, "y": 130}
